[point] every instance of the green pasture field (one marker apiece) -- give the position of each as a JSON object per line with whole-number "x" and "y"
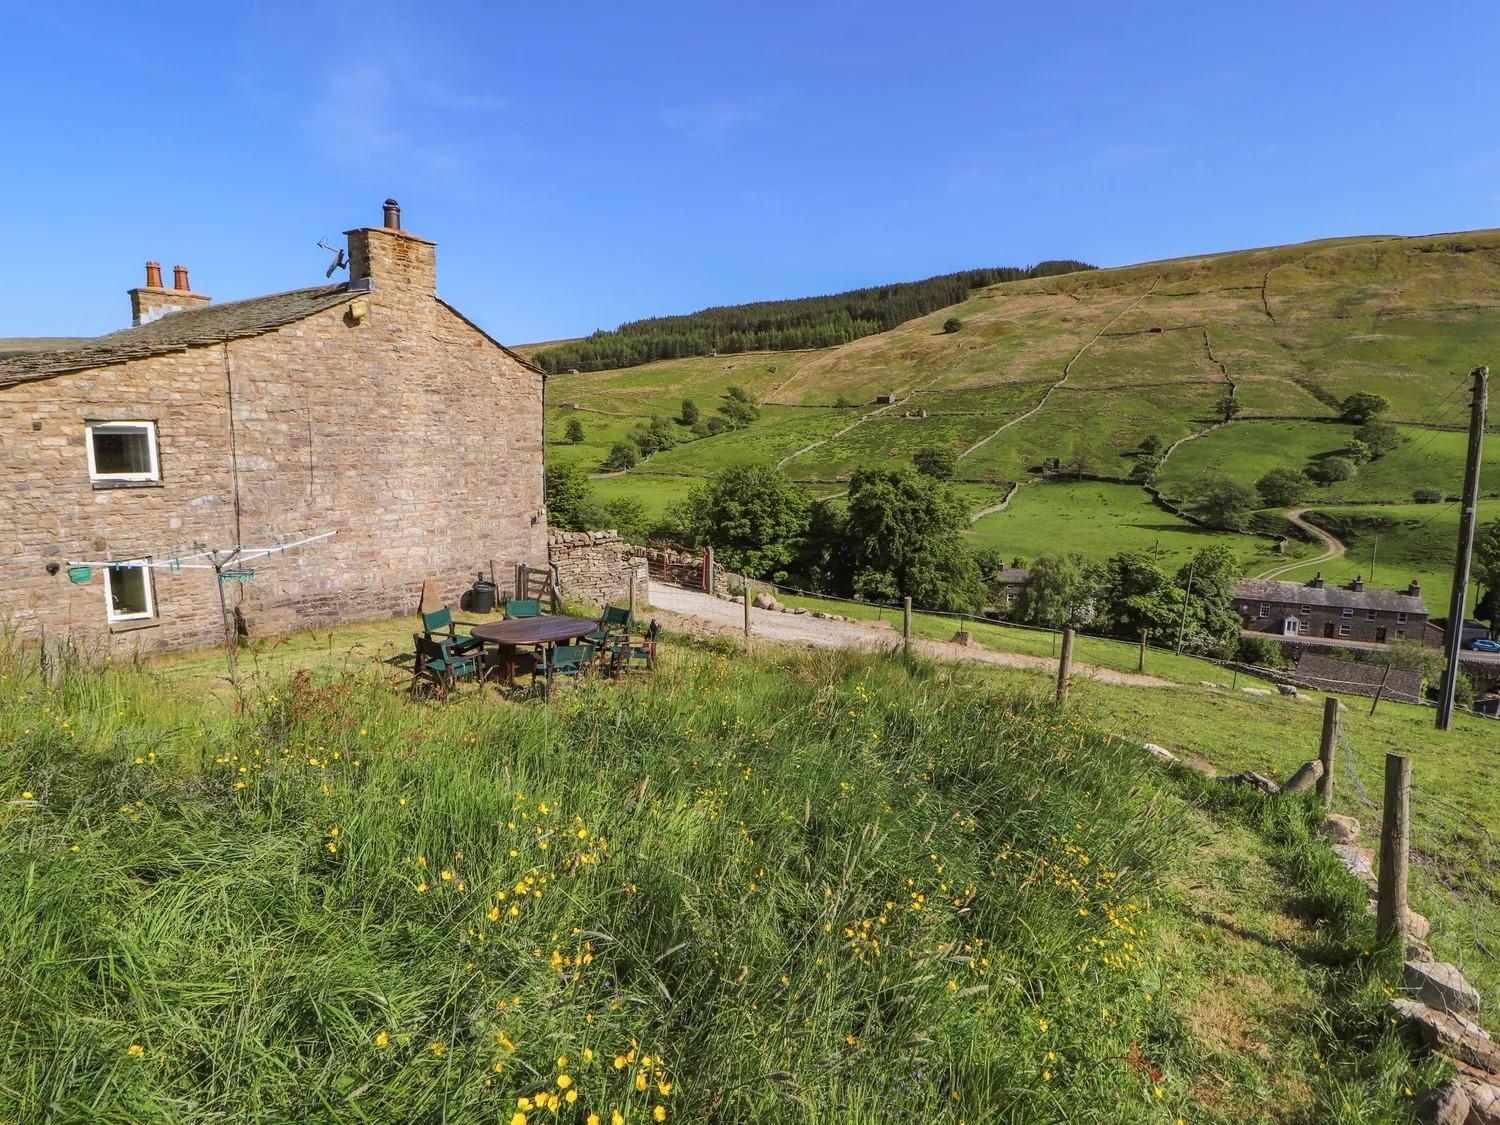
{"x": 1245, "y": 451}
{"x": 1099, "y": 520}
{"x": 1102, "y": 429}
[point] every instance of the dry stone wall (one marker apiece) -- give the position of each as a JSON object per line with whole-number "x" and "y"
{"x": 597, "y": 567}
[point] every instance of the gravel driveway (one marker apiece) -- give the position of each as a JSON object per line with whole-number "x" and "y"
{"x": 697, "y": 612}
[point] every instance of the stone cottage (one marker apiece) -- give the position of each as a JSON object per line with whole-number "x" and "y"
{"x": 369, "y": 408}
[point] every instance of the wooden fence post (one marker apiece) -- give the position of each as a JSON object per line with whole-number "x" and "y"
{"x": 1395, "y": 848}
{"x": 1326, "y": 749}
{"x": 746, "y": 582}
{"x": 1065, "y": 664}
{"x": 906, "y": 627}
{"x": 1140, "y": 663}
{"x": 708, "y": 571}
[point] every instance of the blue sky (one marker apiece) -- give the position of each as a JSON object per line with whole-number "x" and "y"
{"x": 583, "y": 164}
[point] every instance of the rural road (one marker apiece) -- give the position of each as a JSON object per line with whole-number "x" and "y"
{"x": 696, "y": 612}
{"x": 1333, "y": 548}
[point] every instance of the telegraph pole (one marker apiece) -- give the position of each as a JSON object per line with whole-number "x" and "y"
{"x": 1457, "y": 603}
{"x": 1182, "y": 624}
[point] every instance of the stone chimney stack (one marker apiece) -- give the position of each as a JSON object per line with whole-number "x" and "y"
{"x": 1358, "y": 584}
{"x": 387, "y": 256}
{"x": 1316, "y": 581}
{"x": 1415, "y": 589}
{"x": 154, "y": 300}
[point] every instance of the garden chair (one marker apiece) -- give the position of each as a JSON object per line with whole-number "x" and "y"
{"x": 567, "y": 661}
{"x": 635, "y": 654}
{"x": 613, "y": 620}
{"x": 440, "y": 666}
{"x": 522, "y": 607}
{"x": 439, "y": 624}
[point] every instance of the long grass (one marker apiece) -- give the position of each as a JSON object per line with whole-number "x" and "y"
{"x": 816, "y": 887}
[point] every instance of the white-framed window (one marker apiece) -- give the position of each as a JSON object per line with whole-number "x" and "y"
{"x": 1343, "y": 630}
{"x": 1265, "y": 609}
{"x": 1305, "y": 610}
{"x": 1401, "y": 619}
{"x": 122, "y": 452}
{"x": 1348, "y": 611}
{"x": 1302, "y": 626}
{"x": 1369, "y": 615}
{"x": 128, "y": 595}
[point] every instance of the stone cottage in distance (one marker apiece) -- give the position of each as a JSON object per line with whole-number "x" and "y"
{"x": 369, "y": 408}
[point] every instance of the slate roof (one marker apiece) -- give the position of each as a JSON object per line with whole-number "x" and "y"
{"x": 1336, "y": 597}
{"x": 1401, "y": 685}
{"x": 177, "y": 331}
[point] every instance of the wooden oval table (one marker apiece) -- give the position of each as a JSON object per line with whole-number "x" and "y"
{"x": 526, "y": 631}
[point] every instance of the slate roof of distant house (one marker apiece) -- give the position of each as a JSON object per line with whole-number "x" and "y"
{"x": 177, "y": 331}
{"x": 1399, "y": 685}
{"x": 1015, "y": 576}
{"x": 1300, "y": 593}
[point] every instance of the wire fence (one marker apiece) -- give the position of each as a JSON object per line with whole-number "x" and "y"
{"x": 1127, "y": 647}
{"x": 1454, "y": 875}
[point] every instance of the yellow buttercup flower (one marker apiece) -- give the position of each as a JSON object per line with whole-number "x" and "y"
{"x": 659, "y": 1113}
{"x": 136, "y": 1050}
{"x": 383, "y": 1039}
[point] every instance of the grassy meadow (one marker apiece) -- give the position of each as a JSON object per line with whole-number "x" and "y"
{"x": 767, "y": 886}
{"x": 1100, "y": 519}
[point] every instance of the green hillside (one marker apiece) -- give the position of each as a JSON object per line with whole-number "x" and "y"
{"x": 1077, "y": 370}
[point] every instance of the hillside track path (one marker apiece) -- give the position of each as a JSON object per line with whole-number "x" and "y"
{"x": 696, "y": 612}
{"x": 1333, "y": 548}
{"x": 1042, "y": 402}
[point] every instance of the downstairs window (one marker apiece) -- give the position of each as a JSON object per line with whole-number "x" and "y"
{"x": 127, "y": 592}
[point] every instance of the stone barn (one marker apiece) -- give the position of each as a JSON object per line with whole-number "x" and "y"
{"x": 369, "y": 408}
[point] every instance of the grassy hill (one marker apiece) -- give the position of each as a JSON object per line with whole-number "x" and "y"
{"x": 1082, "y": 367}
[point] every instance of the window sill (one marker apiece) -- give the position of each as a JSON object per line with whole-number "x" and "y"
{"x": 104, "y": 485}
{"x": 132, "y": 626}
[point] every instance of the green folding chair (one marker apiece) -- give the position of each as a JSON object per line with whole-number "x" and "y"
{"x": 522, "y": 607}
{"x": 438, "y": 665}
{"x": 439, "y": 625}
{"x": 613, "y": 620}
{"x": 566, "y": 661}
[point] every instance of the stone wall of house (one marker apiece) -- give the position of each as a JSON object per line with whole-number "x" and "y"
{"x": 597, "y": 567}
{"x": 407, "y": 432}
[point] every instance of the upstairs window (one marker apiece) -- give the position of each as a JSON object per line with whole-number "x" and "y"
{"x": 1369, "y": 615}
{"x": 1401, "y": 618}
{"x": 1305, "y": 610}
{"x": 1265, "y": 610}
{"x": 1348, "y": 611}
{"x": 122, "y": 452}
{"x": 127, "y": 592}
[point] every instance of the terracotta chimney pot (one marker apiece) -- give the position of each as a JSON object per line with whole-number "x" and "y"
{"x": 153, "y": 275}
{"x": 180, "y": 279}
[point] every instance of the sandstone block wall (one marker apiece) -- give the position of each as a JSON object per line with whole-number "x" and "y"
{"x": 408, "y": 433}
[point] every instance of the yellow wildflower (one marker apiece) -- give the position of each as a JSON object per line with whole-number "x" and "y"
{"x": 383, "y": 1039}
{"x": 564, "y": 1081}
{"x": 136, "y": 1050}
{"x": 659, "y": 1113}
